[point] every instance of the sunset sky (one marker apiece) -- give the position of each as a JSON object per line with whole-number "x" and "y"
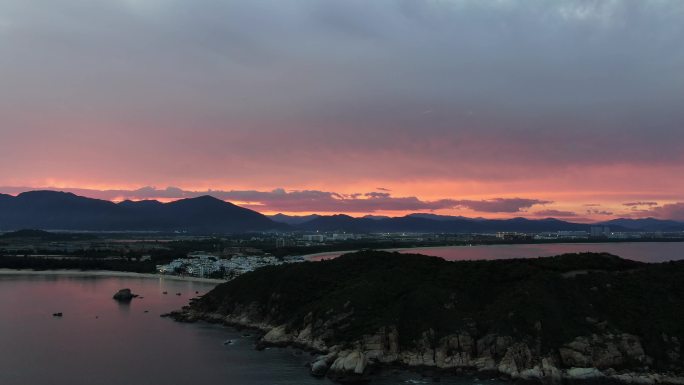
{"x": 567, "y": 109}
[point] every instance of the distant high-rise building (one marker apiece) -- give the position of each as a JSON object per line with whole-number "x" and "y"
{"x": 600, "y": 231}
{"x": 572, "y": 234}
{"x": 313, "y": 237}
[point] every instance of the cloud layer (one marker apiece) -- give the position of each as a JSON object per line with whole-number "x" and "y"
{"x": 280, "y": 200}
{"x": 382, "y": 201}
{"x": 668, "y": 211}
{"x": 427, "y": 98}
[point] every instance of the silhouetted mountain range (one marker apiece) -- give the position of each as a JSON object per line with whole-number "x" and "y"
{"x": 421, "y": 222}
{"x": 646, "y": 224}
{"x": 441, "y": 224}
{"x": 293, "y": 219}
{"x": 52, "y": 210}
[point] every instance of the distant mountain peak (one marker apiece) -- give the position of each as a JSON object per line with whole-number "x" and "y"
{"x": 55, "y": 210}
{"x": 376, "y": 217}
{"x": 432, "y": 223}
{"x": 141, "y": 203}
{"x": 645, "y": 224}
{"x": 293, "y": 219}
{"x": 437, "y": 217}
{"x": 207, "y": 198}
{"x": 342, "y": 216}
{"x": 47, "y": 193}
{"x": 204, "y": 200}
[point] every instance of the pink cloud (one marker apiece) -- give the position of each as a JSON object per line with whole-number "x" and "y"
{"x": 599, "y": 212}
{"x": 555, "y": 213}
{"x": 312, "y": 200}
{"x": 500, "y": 205}
{"x": 674, "y": 211}
{"x": 636, "y": 204}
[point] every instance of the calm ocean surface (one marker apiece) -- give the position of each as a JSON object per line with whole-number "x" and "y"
{"x": 102, "y": 342}
{"x": 638, "y": 251}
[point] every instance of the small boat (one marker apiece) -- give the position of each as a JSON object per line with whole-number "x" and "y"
{"x": 228, "y": 342}
{"x": 165, "y": 293}
{"x": 57, "y": 314}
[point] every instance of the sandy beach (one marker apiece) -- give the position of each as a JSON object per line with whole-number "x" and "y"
{"x": 105, "y": 273}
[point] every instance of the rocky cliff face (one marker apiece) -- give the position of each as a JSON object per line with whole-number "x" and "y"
{"x": 567, "y": 318}
{"x": 617, "y": 357}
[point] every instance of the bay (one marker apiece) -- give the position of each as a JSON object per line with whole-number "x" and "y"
{"x": 99, "y": 341}
{"x": 638, "y": 251}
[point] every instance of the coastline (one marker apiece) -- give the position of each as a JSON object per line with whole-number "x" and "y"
{"x": 361, "y": 361}
{"x": 590, "y": 346}
{"x": 106, "y": 273}
{"x": 335, "y": 254}
{"x": 397, "y": 249}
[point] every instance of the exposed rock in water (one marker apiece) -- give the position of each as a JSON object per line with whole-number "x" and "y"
{"x": 349, "y": 366}
{"x": 584, "y": 374}
{"x": 320, "y": 365}
{"x": 124, "y": 295}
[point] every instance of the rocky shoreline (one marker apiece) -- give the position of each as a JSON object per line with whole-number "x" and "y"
{"x": 595, "y": 359}
{"x": 566, "y": 319}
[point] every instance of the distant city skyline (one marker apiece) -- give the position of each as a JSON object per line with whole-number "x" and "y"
{"x": 566, "y": 109}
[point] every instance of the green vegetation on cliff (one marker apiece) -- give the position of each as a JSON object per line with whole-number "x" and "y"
{"x": 548, "y": 300}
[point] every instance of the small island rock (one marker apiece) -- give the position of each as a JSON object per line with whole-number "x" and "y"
{"x": 124, "y": 295}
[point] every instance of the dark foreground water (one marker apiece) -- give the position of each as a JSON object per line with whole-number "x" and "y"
{"x": 638, "y": 251}
{"x": 101, "y": 342}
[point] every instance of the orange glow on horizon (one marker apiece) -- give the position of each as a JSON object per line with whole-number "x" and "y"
{"x": 609, "y": 194}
